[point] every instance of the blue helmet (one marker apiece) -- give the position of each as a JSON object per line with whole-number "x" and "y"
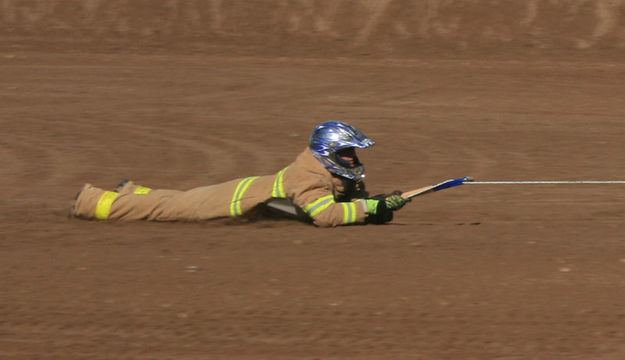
{"x": 330, "y": 137}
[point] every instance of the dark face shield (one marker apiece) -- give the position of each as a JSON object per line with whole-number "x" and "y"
{"x": 347, "y": 162}
{"x": 347, "y": 158}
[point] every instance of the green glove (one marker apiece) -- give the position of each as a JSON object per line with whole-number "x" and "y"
{"x": 395, "y": 202}
{"x": 380, "y": 208}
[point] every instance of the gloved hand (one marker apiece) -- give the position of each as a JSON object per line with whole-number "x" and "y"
{"x": 392, "y": 202}
{"x": 395, "y": 202}
{"x": 380, "y": 208}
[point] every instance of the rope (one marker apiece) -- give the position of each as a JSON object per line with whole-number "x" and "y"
{"x": 544, "y": 182}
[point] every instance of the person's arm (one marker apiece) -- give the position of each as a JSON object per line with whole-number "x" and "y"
{"x": 325, "y": 211}
{"x": 319, "y": 204}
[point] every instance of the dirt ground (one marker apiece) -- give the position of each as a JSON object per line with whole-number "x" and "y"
{"x": 184, "y": 94}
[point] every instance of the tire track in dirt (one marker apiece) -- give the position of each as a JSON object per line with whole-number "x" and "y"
{"x": 232, "y": 158}
{"x": 29, "y": 159}
{"x": 80, "y": 143}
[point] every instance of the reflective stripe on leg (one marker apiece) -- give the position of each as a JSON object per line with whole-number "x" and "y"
{"x": 142, "y": 190}
{"x": 103, "y": 208}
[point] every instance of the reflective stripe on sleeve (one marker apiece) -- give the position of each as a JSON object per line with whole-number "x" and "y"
{"x": 349, "y": 212}
{"x": 278, "y": 185}
{"x": 103, "y": 208}
{"x": 319, "y": 205}
{"x": 142, "y": 190}
{"x": 235, "y": 204}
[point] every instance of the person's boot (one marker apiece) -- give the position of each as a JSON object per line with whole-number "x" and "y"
{"x": 86, "y": 202}
{"x": 129, "y": 187}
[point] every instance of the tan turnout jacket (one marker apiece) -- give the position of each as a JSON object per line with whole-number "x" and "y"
{"x": 322, "y": 197}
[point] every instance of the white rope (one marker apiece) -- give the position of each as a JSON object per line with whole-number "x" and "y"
{"x": 544, "y": 182}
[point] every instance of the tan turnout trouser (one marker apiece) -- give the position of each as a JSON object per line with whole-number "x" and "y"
{"x": 134, "y": 202}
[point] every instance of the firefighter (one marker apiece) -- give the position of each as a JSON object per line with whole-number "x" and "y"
{"x": 324, "y": 185}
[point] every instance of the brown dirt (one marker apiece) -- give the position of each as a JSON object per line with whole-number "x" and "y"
{"x": 180, "y": 94}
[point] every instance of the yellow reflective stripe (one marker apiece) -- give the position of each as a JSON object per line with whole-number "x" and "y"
{"x": 319, "y": 205}
{"x": 142, "y": 190}
{"x": 278, "y": 185}
{"x": 103, "y": 208}
{"x": 235, "y": 204}
{"x": 349, "y": 212}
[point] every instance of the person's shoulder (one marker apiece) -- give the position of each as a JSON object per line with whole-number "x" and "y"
{"x": 307, "y": 171}
{"x": 307, "y": 162}
{"x": 305, "y": 155}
